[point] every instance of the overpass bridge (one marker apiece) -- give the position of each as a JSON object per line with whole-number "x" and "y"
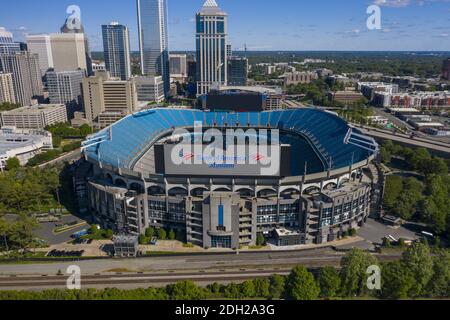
{"x": 435, "y": 147}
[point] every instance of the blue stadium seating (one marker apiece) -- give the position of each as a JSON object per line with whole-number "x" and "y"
{"x": 324, "y": 131}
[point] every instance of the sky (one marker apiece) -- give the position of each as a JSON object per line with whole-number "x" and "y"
{"x": 264, "y": 25}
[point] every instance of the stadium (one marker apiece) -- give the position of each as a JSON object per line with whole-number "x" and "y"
{"x": 321, "y": 188}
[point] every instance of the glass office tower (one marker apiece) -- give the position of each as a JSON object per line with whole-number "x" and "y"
{"x": 116, "y": 48}
{"x": 153, "y": 39}
{"x": 211, "y": 43}
{"x": 7, "y": 45}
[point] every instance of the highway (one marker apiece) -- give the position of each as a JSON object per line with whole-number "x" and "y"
{"x": 163, "y": 270}
{"x": 437, "y": 147}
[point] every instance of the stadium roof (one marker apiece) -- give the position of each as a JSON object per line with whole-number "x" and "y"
{"x": 125, "y": 142}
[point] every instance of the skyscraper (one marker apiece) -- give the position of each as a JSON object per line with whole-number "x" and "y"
{"x": 108, "y": 100}
{"x": 153, "y": 39}
{"x": 237, "y": 71}
{"x": 71, "y": 27}
{"x": 64, "y": 87}
{"x": 116, "y": 48}
{"x": 68, "y": 51}
{"x": 178, "y": 67}
{"x": 6, "y": 88}
{"x": 26, "y": 75}
{"x": 211, "y": 43}
{"x": 7, "y": 45}
{"x": 41, "y": 45}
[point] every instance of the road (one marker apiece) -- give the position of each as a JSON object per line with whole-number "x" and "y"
{"x": 440, "y": 148}
{"x": 162, "y": 270}
{"x": 68, "y": 157}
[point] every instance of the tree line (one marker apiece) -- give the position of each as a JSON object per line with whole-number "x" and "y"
{"x": 425, "y": 200}
{"x": 419, "y": 274}
{"x": 23, "y": 192}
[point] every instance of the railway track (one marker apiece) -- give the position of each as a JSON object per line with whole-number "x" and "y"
{"x": 139, "y": 279}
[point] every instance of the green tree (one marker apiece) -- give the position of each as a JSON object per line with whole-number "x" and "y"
{"x": 396, "y": 281}
{"x": 22, "y": 231}
{"x": 85, "y": 130}
{"x": 300, "y": 285}
{"x": 277, "y": 285}
{"x": 417, "y": 260}
{"x": 162, "y": 234}
{"x": 143, "y": 239}
{"x": 354, "y": 266}
{"x": 393, "y": 189}
{"x": 185, "y": 290}
{"x": 262, "y": 287}
{"x": 436, "y": 166}
{"x": 248, "y": 289}
{"x": 4, "y": 234}
{"x": 93, "y": 229}
{"x": 407, "y": 203}
{"x": 421, "y": 159}
{"x": 435, "y": 208}
{"x": 233, "y": 291}
{"x": 172, "y": 235}
{"x": 260, "y": 240}
{"x": 109, "y": 234}
{"x": 329, "y": 282}
{"x": 12, "y": 163}
{"x": 439, "y": 285}
{"x": 150, "y": 232}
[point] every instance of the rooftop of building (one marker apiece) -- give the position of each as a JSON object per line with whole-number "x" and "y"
{"x": 210, "y": 7}
{"x": 126, "y": 238}
{"x": 12, "y": 138}
{"x": 282, "y": 232}
{"x": 257, "y": 89}
{"x": 34, "y": 109}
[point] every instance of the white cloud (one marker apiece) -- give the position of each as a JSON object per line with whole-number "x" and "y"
{"x": 393, "y": 3}
{"x": 403, "y": 3}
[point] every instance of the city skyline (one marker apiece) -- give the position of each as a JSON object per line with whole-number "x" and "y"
{"x": 298, "y": 25}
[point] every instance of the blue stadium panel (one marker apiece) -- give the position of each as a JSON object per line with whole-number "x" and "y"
{"x": 325, "y": 131}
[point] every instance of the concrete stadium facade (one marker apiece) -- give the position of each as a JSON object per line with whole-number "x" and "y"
{"x": 129, "y": 194}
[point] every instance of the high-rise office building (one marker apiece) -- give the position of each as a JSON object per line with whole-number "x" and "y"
{"x": 7, "y": 88}
{"x": 178, "y": 67}
{"x": 70, "y": 27}
{"x": 211, "y": 43}
{"x": 64, "y": 87}
{"x": 150, "y": 88}
{"x": 26, "y": 75}
{"x": 153, "y": 40}
{"x": 446, "y": 70}
{"x": 237, "y": 71}
{"x": 107, "y": 100}
{"x": 191, "y": 68}
{"x": 41, "y": 45}
{"x": 7, "y": 45}
{"x": 68, "y": 51}
{"x": 229, "y": 50}
{"x": 116, "y": 49}
{"x": 36, "y": 116}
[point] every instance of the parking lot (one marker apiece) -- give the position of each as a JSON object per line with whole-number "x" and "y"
{"x": 375, "y": 232}
{"x": 45, "y": 230}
